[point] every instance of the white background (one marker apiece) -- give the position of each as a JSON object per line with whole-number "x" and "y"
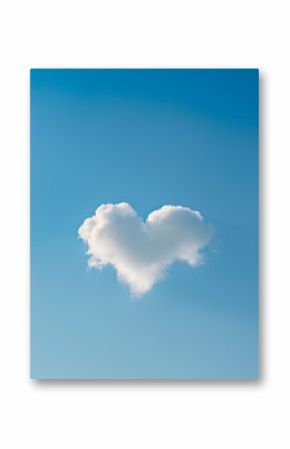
{"x": 136, "y": 33}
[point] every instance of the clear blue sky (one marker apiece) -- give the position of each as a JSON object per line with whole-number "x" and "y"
{"x": 147, "y": 137}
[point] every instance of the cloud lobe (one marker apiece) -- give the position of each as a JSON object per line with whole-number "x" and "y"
{"x": 140, "y": 251}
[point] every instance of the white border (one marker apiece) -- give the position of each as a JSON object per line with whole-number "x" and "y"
{"x": 144, "y": 34}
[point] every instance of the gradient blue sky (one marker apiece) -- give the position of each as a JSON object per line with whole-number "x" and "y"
{"x": 147, "y": 137}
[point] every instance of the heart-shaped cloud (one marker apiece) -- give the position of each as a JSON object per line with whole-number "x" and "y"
{"x": 141, "y": 251}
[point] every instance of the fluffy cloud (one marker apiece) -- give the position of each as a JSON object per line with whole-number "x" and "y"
{"x": 140, "y": 251}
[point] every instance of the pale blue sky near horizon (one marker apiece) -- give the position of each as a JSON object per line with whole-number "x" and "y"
{"x": 148, "y": 137}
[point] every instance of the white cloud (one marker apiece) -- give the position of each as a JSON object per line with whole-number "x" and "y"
{"x": 141, "y": 251}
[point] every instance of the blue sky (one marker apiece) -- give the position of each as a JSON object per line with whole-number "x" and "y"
{"x": 147, "y": 137}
